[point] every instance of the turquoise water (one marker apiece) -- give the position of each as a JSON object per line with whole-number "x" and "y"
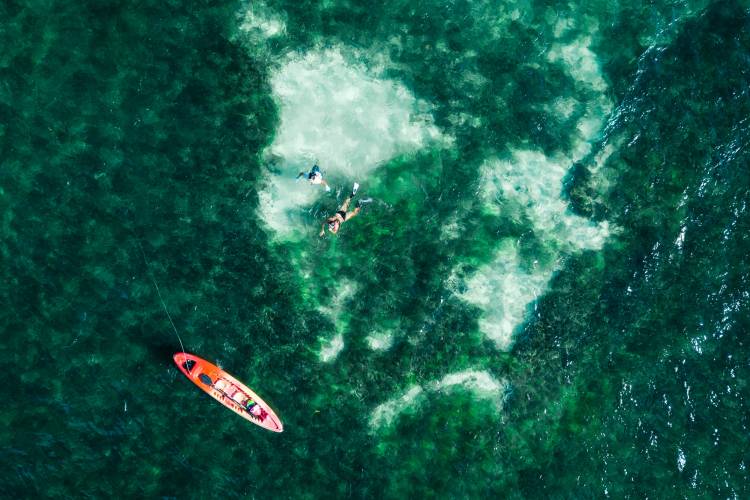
{"x": 548, "y": 296}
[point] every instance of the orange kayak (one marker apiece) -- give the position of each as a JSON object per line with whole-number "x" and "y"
{"x": 228, "y": 391}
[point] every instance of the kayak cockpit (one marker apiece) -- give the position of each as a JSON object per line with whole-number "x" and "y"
{"x": 231, "y": 391}
{"x": 236, "y": 394}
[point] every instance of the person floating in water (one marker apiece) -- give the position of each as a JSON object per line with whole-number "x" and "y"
{"x": 315, "y": 176}
{"x": 334, "y": 223}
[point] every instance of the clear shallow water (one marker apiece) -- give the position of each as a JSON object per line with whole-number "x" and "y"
{"x": 548, "y": 296}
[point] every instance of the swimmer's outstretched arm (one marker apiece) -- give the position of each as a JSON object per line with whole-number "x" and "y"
{"x": 322, "y": 230}
{"x": 301, "y": 174}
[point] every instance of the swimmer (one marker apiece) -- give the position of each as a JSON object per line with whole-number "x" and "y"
{"x": 334, "y": 223}
{"x": 315, "y": 176}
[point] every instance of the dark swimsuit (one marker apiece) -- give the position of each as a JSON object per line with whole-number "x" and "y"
{"x": 342, "y": 214}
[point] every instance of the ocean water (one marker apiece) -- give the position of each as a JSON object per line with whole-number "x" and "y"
{"x": 549, "y": 296}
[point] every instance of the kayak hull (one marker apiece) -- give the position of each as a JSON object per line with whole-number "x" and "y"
{"x": 227, "y": 390}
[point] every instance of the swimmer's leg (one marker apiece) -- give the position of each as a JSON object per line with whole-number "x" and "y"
{"x": 358, "y": 207}
{"x": 353, "y": 213}
{"x": 345, "y": 206}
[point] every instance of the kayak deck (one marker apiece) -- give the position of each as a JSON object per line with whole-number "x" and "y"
{"x": 228, "y": 391}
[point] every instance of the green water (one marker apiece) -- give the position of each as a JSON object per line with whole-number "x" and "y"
{"x": 548, "y": 297}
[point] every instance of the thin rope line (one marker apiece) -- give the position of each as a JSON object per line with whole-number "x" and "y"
{"x": 158, "y": 292}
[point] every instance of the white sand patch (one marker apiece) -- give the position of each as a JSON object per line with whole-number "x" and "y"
{"x": 562, "y": 26}
{"x": 581, "y": 62}
{"x": 262, "y": 21}
{"x": 603, "y": 155}
{"x": 481, "y": 383}
{"x": 564, "y": 107}
{"x": 503, "y": 290}
{"x": 341, "y": 114}
{"x": 680, "y": 238}
{"x": 380, "y": 341}
{"x": 334, "y": 309}
{"x": 681, "y": 460}
{"x": 601, "y": 178}
{"x": 534, "y": 181}
{"x": 332, "y": 348}
{"x": 450, "y": 229}
{"x": 386, "y": 413}
{"x": 505, "y": 287}
{"x": 492, "y": 17}
{"x": 583, "y": 66}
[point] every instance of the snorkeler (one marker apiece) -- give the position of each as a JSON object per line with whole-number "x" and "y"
{"x": 315, "y": 176}
{"x": 334, "y": 223}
